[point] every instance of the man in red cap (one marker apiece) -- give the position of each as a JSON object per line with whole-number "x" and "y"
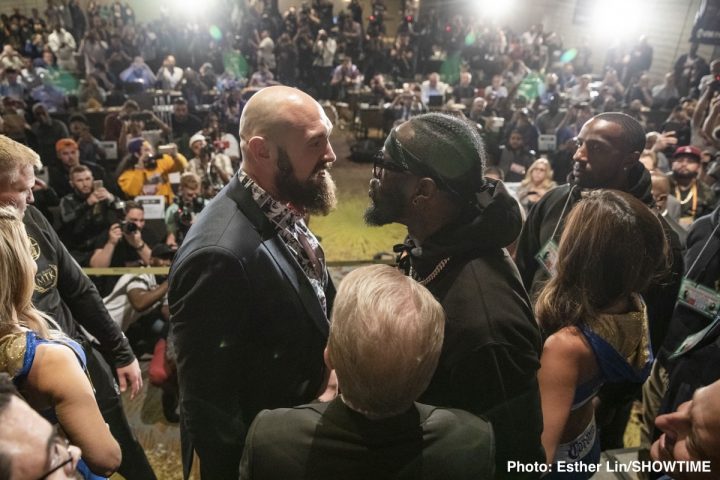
{"x": 695, "y": 197}
{"x": 68, "y": 155}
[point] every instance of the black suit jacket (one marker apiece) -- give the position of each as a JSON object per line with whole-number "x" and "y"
{"x": 329, "y": 441}
{"x": 248, "y": 327}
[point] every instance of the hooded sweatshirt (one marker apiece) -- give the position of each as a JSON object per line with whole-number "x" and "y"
{"x": 490, "y": 355}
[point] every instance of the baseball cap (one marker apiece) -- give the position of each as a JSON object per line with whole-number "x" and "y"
{"x": 196, "y": 138}
{"x": 688, "y": 151}
{"x": 134, "y": 146}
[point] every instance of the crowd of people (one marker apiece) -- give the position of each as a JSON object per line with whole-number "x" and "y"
{"x": 560, "y": 259}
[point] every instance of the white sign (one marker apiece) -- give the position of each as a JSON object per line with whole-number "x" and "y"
{"x": 154, "y": 206}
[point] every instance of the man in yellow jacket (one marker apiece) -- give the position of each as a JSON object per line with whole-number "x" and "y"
{"x": 145, "y": 173}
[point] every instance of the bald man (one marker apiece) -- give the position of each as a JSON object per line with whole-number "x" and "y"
{"x": 249, "y": 292}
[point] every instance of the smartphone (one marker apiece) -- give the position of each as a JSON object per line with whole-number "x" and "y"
{"x": 167, "y": 149}
{"x": 97, "y": 184}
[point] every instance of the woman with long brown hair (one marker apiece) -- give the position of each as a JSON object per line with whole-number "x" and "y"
{"x": 594, "y": 319}
{"x": 47, "y": 366}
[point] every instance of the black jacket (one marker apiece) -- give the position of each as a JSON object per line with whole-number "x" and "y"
{"x": 490, "y": 356}
{"x": 548, "y": 213}
{"x": 329, "y": 441}
{"x": 249, "y": 329}
{"x": 704, "y": 270}
{"x": 64, "y": 292}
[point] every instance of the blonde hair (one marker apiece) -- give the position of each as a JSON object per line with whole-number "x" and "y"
{"x": 189, "y": 180}
{"x": 548, "y": 182}
{"x": 15, "y": 157}
{"x": 385, "y": 340}
{"x": 17, "y": 269}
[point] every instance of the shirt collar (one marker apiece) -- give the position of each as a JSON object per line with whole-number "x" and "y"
{"x": 281, "y": 215}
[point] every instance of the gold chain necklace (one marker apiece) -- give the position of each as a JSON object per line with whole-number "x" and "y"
{"x": 438, "y": 268}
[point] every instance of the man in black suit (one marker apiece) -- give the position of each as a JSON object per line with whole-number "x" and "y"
{"x": 249, "y": 291}
{"x": 385, "y": 342}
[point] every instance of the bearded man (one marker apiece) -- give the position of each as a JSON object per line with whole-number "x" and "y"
{"x": 250, "y": 294}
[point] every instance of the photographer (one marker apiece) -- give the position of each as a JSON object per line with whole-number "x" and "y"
{"x": 181, "y": 214}
{"x": 86, "y": 213}
{"x": 134, "y": 126}
{"x": 145, "y": 173}
{"x": 126, "y": 244}
{"x": 324, "y": 59}
{"x": 210, "y": 164}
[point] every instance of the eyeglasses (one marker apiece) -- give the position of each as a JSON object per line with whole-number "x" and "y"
{"x": 379, "y": 164}
{"x": 57, "y": 446}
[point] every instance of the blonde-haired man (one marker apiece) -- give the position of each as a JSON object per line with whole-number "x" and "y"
{"x": 385, "y": 341}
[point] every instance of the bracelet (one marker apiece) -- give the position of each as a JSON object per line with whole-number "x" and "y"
{"x": 142, "y": 245}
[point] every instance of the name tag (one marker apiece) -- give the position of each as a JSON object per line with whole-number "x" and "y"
{"x": 548, "y": 257}
{"x": 699, "y": 298}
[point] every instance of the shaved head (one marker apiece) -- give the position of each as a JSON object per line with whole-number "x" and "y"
{"x": 285, "y": 143}
{"x": 273, "y": 110}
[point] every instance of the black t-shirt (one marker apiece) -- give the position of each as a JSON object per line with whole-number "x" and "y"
{"x": 124, "y": 255}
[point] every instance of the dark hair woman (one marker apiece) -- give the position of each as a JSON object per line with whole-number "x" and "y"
{"x": 594, "y": 319}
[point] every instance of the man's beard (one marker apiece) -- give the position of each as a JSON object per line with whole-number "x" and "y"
{"x": 316, "y": 194}
{"x": 385, "y": 206}
{"x": 684, "y": 175}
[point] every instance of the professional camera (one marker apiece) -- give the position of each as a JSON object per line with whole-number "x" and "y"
{"x": 213, "y": 147}
{"x": 185, "y": 215}
{"x": 151, "y": 161}
{"x": 128, "y": 227}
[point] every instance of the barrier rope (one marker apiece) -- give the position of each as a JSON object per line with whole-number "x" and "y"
{"x": 118, "y": 271}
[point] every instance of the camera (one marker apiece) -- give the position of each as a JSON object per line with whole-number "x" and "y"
{"x": 151, "y": 162}
{"x": 128, "y": 227}
{"x": 140, "y": 117}
{"x": 185, "y": 215}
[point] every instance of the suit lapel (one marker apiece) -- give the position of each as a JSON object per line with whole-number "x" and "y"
{"x": 283, "y": 258}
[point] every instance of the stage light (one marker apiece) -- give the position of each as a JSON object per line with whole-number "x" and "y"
{"x": 495, "y": 10}
{"x": 620, "y": 19}
{"x": 188, "y": 8}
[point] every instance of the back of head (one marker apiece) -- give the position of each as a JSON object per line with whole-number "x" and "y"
{"x": 189, "y": 180}
{"x": 17, "y": 268}
{"x": 612, "y": 246}
{"x": 385, "y": 340}
{"x": 15, "y": 157}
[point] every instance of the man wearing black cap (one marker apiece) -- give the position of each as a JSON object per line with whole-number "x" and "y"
{"x": 696, "y": 199}
{"x": 429, "y": 177}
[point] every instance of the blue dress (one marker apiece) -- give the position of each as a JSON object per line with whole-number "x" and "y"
{"x": 17, "y": 357}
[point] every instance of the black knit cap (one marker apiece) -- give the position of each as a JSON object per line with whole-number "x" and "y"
{"x": 446, "y": 148}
